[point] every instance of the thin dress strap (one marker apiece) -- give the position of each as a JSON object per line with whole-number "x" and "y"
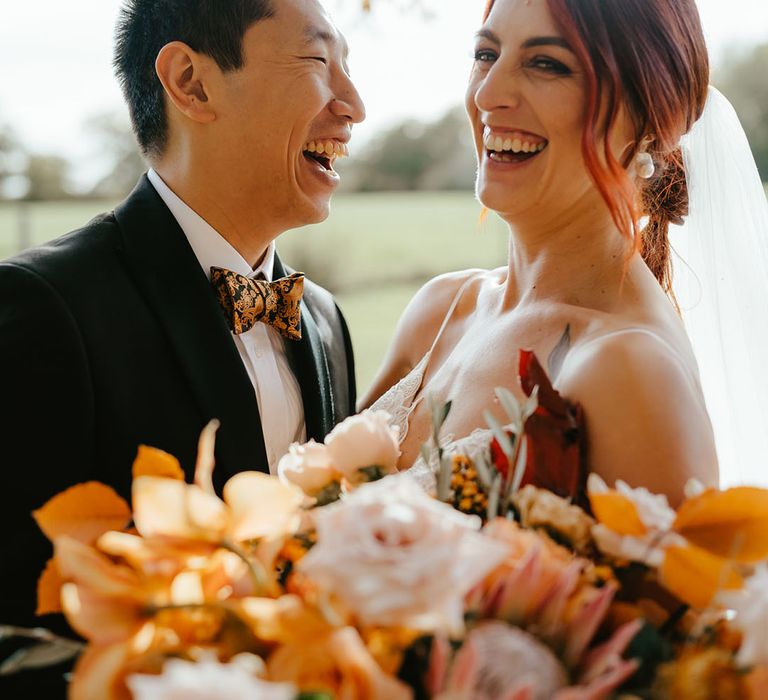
{"x": 400, "y": 399}
{"x": 418, "y": 395}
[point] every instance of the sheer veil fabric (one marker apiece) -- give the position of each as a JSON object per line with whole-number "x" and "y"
{"x": 721, "y": 281}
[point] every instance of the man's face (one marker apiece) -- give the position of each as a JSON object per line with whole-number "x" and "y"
{"x": 286, "y": 116}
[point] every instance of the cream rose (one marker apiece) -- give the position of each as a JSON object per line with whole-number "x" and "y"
{"x": 394, "y": 556}
{"x": 365, "y": 440}
{"x": 307, "y": 466}
{"x": 207, "y": 679}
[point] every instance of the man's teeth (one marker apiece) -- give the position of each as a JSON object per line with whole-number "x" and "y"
{"x": 327, "y": 148}
{"x": 516, "y": 145}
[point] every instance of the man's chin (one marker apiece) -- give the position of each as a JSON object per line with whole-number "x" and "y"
{"x": 315, "y": 210}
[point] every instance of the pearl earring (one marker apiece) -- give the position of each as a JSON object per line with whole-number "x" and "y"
{"x": 644, "y": 166}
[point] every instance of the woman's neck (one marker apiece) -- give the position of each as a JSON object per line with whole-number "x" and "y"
{"x": 583, "y": 261}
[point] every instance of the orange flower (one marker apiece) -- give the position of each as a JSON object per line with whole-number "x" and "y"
{"x": 701, "y": 674}
{"x": 337, "y": 663}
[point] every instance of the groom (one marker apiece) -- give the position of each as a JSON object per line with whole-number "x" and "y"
{"x": 120, "y": 334}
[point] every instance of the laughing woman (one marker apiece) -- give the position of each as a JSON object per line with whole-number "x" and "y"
{"x": 577, "y": 109}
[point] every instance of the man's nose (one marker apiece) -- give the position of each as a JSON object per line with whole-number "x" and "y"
{"x": 348, "y": 103}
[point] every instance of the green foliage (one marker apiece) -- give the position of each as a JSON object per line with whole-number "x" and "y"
{"x": 650, "y": 649}
{"x": 47, "y": 177}
{"x": 743, "y": 81}
{"x": 124, "y": 164}
{"x": 416, "y": 156}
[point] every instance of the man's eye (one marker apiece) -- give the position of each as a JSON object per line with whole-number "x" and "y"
{"x": 485, "y": 56}
{"x": 322, "y": 60}
{"x": 549, "y": 65}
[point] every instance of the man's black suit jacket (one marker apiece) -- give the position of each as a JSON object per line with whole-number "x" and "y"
{"x": 111, "y": 337}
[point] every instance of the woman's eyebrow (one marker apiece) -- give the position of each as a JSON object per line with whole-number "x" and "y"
{"x": 487, "y": 34}
{"x": 546, "y": 41}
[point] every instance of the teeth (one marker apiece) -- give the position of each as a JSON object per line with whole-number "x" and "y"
{"x": 328, "y": 148}
{"x": 516, "y": 145}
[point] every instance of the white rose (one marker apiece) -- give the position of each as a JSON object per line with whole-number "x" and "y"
{"x": 307, "y": 466}
{"x": 394, "y": 556}
{"x": 751, "y": 607}
{"x": 207, "y": 679}
{"x": 655, "y": 515}
{"x": 365, "y": 440}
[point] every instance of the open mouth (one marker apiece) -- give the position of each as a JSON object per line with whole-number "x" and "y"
{"x": 325, "y": 152}
{"x": 512, "y": 148}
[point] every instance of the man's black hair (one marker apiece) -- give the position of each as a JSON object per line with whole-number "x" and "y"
{"x": 212, "y": 27}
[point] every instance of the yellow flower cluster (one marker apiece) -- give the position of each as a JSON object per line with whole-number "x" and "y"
{"x": 468, "y": 495}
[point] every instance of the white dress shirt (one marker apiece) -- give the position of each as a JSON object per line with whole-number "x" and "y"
{"x": 262, "y": 348}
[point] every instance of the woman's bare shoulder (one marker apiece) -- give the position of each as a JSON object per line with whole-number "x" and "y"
{"x": 646, "y": 418}
{"x": 430, "y": 305}
{"x": 416, "y": 330}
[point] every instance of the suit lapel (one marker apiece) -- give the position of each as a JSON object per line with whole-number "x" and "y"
{"x": 309, "y": 363}
{"x": 175, "y": 286}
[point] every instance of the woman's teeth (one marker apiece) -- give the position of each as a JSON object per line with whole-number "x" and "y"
{"x": 327, "y": 148}
{"x": 517, "y": 144}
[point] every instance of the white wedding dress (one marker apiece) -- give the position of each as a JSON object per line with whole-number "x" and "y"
{"x": 721, "y": 285}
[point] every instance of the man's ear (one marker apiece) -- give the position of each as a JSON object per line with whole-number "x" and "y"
{"x": 181, "y": 71}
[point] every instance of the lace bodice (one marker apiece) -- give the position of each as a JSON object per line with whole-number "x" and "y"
{"x": 400, "y": 400}
{"x": 556, "y": 455}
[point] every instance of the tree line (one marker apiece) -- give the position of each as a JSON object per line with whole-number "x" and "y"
{"x": 413, "y": 155}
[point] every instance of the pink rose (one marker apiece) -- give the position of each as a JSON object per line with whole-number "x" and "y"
{"x": 394, "y": 556}
{"x": 365, "y": 440}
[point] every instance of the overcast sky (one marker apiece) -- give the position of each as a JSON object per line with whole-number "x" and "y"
{"x": 55, "y": 60}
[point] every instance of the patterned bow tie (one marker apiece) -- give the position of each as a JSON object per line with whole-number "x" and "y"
{"x": 246, "y": 301}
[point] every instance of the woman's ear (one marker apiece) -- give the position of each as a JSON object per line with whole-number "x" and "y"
{"x": 181, "y": 72}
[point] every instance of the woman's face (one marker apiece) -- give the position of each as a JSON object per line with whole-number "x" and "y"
{"x": 526, "y": 101}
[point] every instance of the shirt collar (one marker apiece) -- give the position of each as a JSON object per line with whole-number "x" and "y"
{"x": 210, "y": 248}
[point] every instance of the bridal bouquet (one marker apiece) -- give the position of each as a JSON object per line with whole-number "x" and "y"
{"x": 341, "y": 578}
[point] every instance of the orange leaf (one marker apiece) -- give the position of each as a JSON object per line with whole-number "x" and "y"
{"x": 695, "y": 576}
{"x": 84, "y": 512}
{"x": 732, "y": 524}
{"x": 49, "y": 589}
{"x": 617, "y": 513}
{"x": 757, "y": 683}
{"x": 153, "y": 462}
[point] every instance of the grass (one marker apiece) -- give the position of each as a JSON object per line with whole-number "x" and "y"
{"x": 373, "y": 252}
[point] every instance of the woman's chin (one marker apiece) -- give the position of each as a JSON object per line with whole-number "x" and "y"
{"x": 498, "y": 200}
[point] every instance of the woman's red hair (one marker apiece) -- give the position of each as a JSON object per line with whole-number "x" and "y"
{"x": 650, "y": 57}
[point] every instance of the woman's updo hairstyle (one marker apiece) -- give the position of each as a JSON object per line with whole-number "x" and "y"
{"x": 651, "y": 57}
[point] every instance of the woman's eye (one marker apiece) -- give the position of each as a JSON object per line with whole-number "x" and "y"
{"x": 550, "y": 65}
{"x": 484, "y": 56}
{"x": 322, "y": 60}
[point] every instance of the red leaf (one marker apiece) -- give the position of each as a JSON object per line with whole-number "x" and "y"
{"x": 556, "y": 458}
{"x": 500, "y": 459}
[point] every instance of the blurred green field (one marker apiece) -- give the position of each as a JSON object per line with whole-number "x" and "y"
{"x": 373, "y": 252}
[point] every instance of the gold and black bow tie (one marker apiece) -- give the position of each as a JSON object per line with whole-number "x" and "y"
{"x": 247, "y": 301}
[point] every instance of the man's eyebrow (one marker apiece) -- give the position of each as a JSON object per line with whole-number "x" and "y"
{"x": 313, "y": 34}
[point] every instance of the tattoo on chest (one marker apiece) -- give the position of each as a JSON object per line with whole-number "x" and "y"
{"x": 557, "y": 356}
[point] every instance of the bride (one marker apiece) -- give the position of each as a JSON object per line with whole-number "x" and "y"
{"x": 577, "y": 110}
